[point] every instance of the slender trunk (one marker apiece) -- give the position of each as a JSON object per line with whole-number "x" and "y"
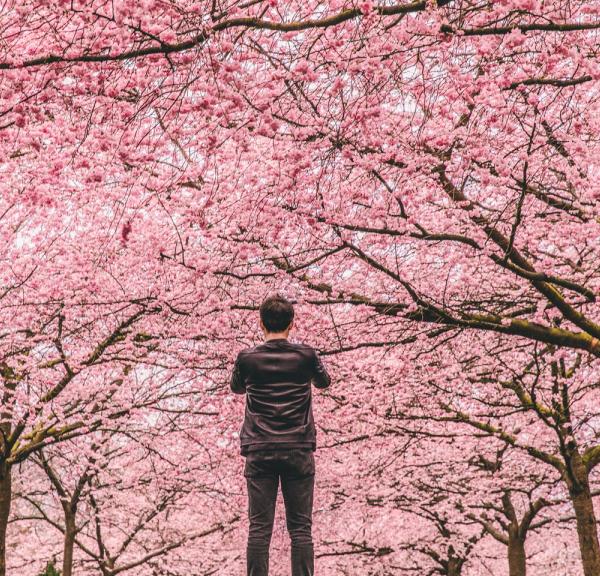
{"x": 454, "y": 567}
{"x": 69, "y": 544}
{"x": 517, "y": 560}
{"x": 586, "y": 531}
{"x": 5, "y": 501}
{"x": 579, "y": 490}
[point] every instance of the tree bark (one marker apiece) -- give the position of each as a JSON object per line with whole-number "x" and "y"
{"x": 5, "y": 502}
{"x": 517, "y": 559}
{"x": 454, "y": 567}
{"x": 579, "y": 490}
{"x": 69, "y": 544}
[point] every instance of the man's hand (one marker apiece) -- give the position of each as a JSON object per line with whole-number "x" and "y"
{"x": 237, "y": 384}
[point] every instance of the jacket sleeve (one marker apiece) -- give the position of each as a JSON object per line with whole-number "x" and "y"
{"x": 321, "y": 378}
{"x": 237, "y": 384}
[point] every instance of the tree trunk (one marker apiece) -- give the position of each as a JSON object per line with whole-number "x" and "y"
{"x": 517, "y": 560}
{"x": 587, "y": 532}
{"x": 454, "y": 567}
{"x": 5, "y": 501}
{"x": 69, "y": 545}
{"x": 579, "y": 490}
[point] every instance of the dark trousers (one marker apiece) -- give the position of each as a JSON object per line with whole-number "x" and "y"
{"x": 263, "y": 470}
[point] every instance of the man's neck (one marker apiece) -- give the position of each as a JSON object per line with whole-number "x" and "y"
{"x": 275, "y": 337}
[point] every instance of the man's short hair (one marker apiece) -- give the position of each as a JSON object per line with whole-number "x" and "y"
{"x": 276, "y": 313}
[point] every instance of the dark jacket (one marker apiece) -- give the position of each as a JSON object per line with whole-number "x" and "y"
{"x": 276, "y": 377}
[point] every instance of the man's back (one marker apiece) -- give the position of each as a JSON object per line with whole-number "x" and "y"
{"x": 278, "y": 437}
{"x": 276, "y": 376}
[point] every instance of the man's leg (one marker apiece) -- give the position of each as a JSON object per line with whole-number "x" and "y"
{"x": 297, "y": 485}
{"x": 262, "y": 483}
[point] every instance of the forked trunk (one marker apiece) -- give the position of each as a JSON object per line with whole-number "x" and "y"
{"x": 454, "y": 567}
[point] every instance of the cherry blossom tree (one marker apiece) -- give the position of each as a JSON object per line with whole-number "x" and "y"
{"x": 420, "y": 176}
{"x": 139, "y": 502}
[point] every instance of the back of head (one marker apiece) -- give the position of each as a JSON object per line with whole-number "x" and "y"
{"x": 276, "y": 313}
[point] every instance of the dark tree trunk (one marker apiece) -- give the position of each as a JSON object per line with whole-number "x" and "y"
{"x": 454, "y": 567}
{"x": 587, "y": 532}
{"x": 579, "y": 490}
{"x": 69, "y": 544}
{"x": 517, "y": 559}
{"x": 5, "y": 501}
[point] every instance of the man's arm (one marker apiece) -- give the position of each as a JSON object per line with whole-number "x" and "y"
{"x": 321, "y": 378}
{"x": 237, "y": 383}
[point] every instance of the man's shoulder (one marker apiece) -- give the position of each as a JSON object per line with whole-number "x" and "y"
{"x": 246, "y": 350}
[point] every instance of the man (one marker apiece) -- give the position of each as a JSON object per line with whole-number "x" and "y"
{"x": 278, "y": 436}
